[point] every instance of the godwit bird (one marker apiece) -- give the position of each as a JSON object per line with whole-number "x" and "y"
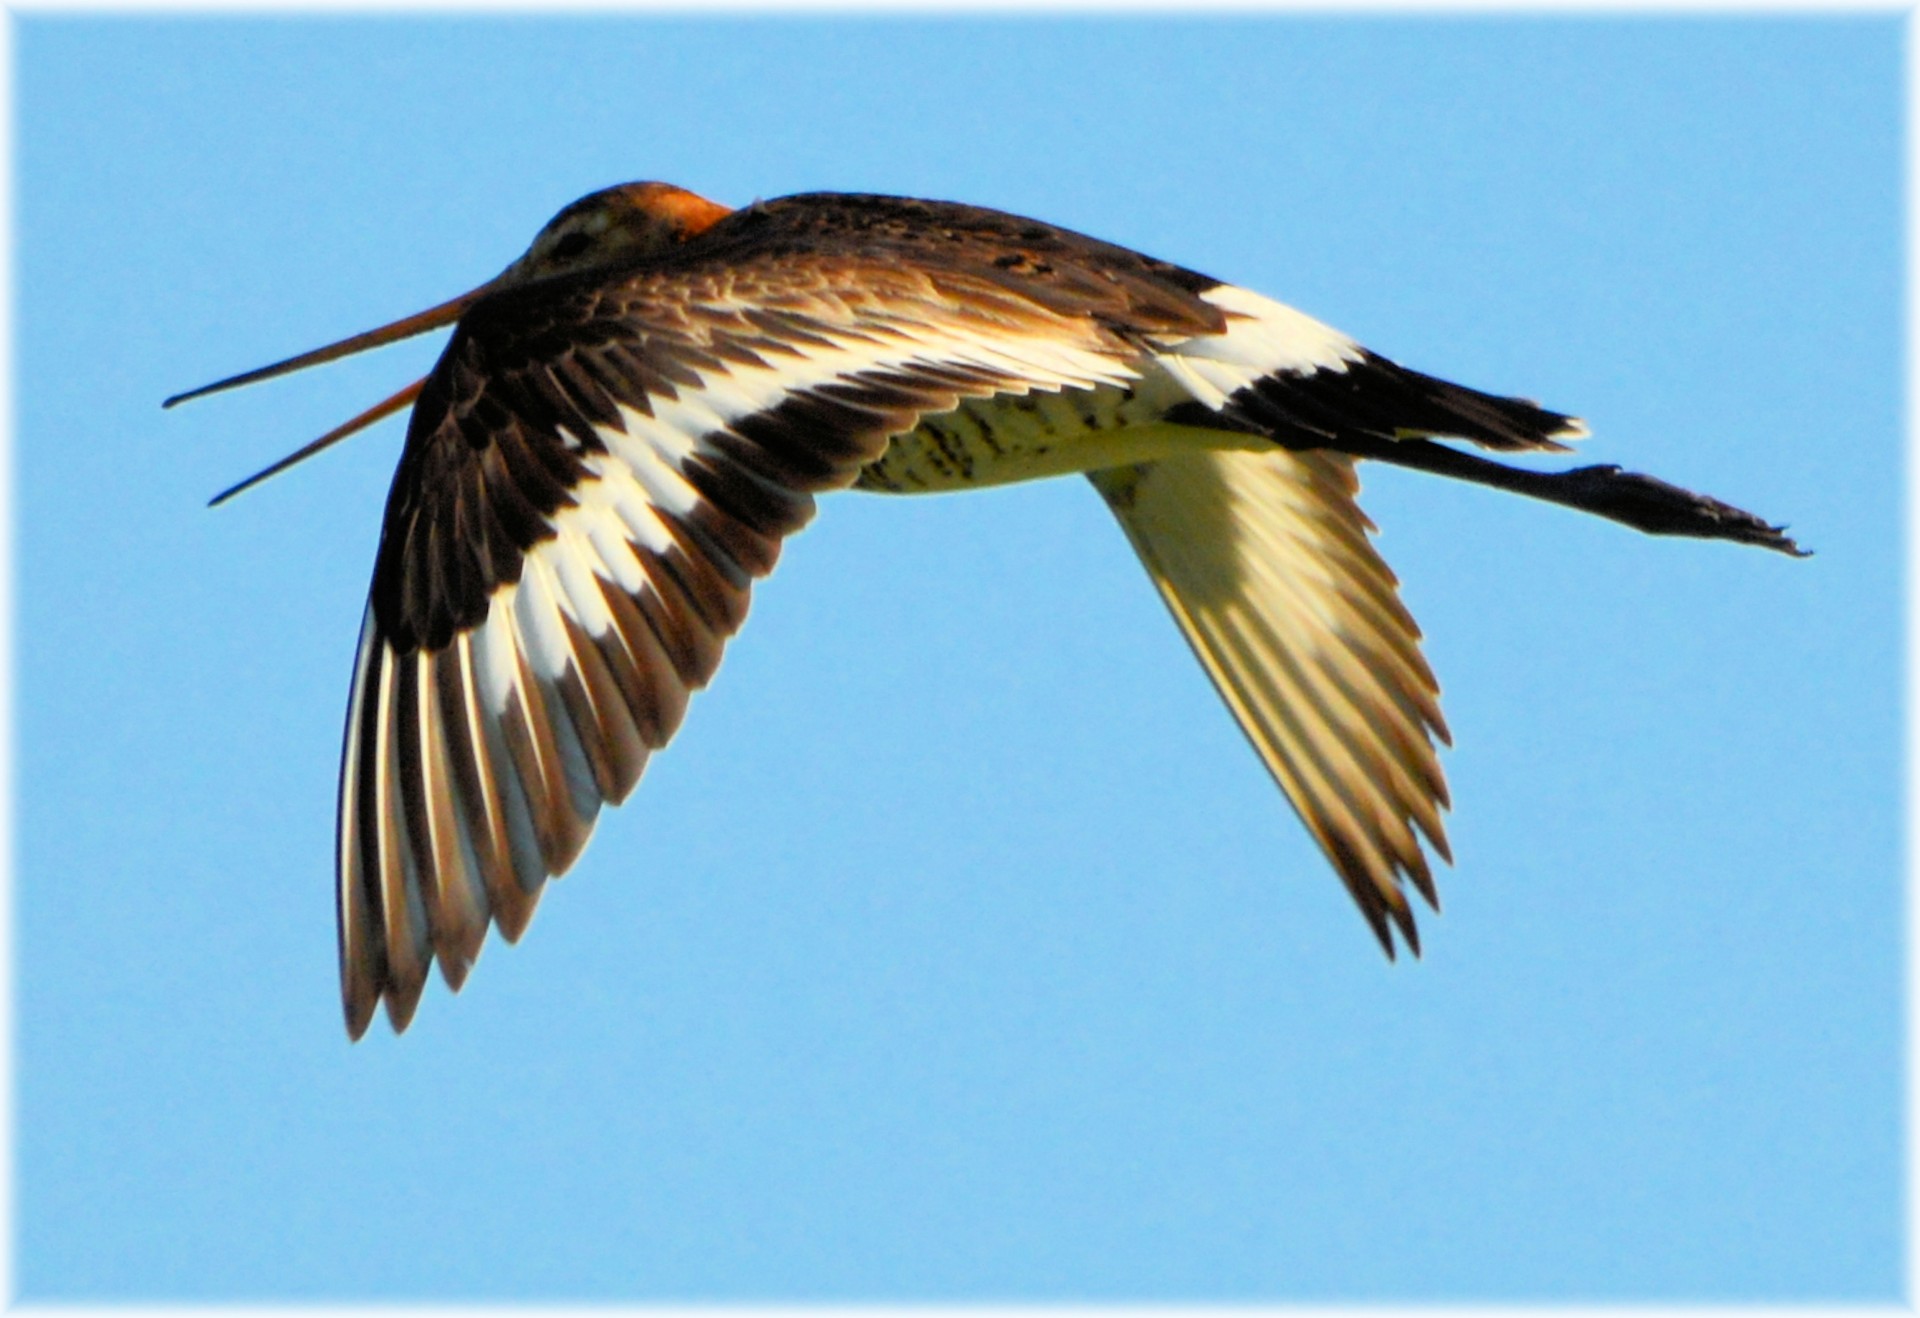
{"x": 631, "y": 417}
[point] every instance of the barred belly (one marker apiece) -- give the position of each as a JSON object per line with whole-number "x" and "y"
{"x": 1020, "y": 437}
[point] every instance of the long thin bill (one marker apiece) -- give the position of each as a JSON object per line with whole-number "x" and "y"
{"x": 418, "y": 323}
{"x": 377, "y": 412}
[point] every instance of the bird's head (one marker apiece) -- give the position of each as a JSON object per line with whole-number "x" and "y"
{"x": 611, "y": 227}
{"x": 601, "y": 231}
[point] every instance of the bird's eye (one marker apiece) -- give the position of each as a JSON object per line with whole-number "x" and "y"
{"x": 571, "y": 245}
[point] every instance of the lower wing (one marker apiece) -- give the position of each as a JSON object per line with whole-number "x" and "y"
{"x": 1265, "y": 563}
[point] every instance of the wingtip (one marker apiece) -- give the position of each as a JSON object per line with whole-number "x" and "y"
{"x": 1421, "y": 875}
{"x": 512, "y": 918}
{"x": 1382, "y": 932}
{"x": 359, "y": 1015}
{"x": 402, "y": 1002}
{"x": 1572, "y": 428}
{"x": 1403, "y": 920}
{"x": 1786, "y": 544}
{"x": 457, "y": 953}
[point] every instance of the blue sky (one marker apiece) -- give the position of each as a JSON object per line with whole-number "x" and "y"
{"x": 959, "y": 949}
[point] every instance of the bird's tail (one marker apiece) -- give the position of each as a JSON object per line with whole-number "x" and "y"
{"x": 1370, "y": 407}
{"x": 1263, "y": 558}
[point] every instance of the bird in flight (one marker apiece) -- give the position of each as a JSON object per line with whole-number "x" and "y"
{"x": 630, "y": 419}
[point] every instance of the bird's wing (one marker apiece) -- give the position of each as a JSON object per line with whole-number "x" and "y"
{"x": 1264, "y": 561}
{"x": 594, "y": 474}
{"x": 600, "y": 465}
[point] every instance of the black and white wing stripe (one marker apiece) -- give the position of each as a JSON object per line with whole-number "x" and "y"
{"x": 593, "y": 478}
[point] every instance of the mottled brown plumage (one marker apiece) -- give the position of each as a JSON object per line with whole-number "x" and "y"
{"x": 632, "y": 417}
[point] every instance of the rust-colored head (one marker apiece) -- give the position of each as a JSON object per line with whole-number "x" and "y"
{"x": 609, "y": 226}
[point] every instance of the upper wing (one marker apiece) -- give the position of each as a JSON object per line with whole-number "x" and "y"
{"x": 1264, "y": 561}
{"x": 595, "y": 473}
